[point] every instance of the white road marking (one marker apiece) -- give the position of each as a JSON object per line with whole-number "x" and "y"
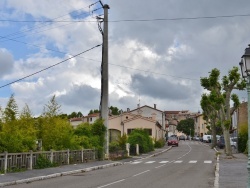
{"x": 192, "y": 161}
{"x": 178, "y": 162}
{"x": 111, "y": 183}
{"x": 164, "y": 162}
{"x": 149, "y": 162}
{"x": 141, "y": 173}
{"x": 136, "y": 162}
{"x": 160, "y": 166}
{"x": 207, "y": 161}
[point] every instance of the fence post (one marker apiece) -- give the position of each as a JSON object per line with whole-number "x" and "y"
{"x": 5, "y": 161}
{"x": 31, "y": 160}
{"x": 93, "y": 154}
{"x": 82, "y": 154}
{"x": 68, "y": 156}
{"x": 51, "y": 156}
{"x": 127, "y": 148}
{"x": 137, "y": 149}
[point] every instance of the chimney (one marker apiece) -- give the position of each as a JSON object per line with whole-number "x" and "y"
{"x": 154, "y": 106}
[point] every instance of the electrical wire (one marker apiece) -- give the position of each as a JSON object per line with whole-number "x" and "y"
{"x": 135, "y": 20}
{"x": 44, "y": 25}
{"x": 51, "y": 66}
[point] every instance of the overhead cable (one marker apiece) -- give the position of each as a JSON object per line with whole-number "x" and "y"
{"x": 51, "y": 66}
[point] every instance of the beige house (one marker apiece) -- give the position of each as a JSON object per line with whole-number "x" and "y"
{"x": 200, "y": 126}
{"x": 89, "y": 118}
{"x": 127, "y": 122}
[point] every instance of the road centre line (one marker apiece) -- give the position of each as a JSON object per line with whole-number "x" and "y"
{"x": 111, "y": 183}
{"x": 141, "y": 173}
{"x": 160, "y": 166}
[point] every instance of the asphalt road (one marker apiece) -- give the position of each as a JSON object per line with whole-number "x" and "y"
{"x": 192, "y": 164}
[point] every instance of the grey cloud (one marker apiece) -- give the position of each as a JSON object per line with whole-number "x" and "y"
{"x": 84, "y": 97}
{"x": 159, "y": 88}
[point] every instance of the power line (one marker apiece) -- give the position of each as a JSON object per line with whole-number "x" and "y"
{"x": 156, "y": 72}
{"x": 44, "y": 25}
{"x": 50, "y": 66}
{"x": 134, "y": 20}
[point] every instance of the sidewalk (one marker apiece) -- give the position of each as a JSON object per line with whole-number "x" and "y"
{"x": 233, "y": 171}
{"x": 41, "y": 174}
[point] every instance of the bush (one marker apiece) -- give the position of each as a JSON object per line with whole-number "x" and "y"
{"x": 43, "y": 162}
{"x": 114, "y": 146}
{"x": 242, "y": 139}
{"x": 159, "y": 143}
{"x": 141, "y": 137}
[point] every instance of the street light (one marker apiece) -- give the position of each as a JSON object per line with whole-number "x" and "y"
{"x": 245, "y": 71}
{"x": 190, "y": 133}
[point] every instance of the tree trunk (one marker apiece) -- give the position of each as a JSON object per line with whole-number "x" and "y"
{"x": 214, "y": 140}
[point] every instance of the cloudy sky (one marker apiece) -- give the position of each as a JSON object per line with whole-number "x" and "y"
{"x": 154, "y": 56}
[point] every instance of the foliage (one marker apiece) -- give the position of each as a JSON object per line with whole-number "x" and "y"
{"x": 242, "y": 138}
{"x": 216, "y": 105}
{"x": 159, "y": 143}
{"x": 94, "y": 111}
{"x": 114, "y": 110}
{"x": 52, "y": 109}
{"x": 43, "y": 162}
{"x": 114, "y": 146}
{"x": 185, "y": 126}
{"x": 141, "y": 137}
{"x": 122, "y": 140}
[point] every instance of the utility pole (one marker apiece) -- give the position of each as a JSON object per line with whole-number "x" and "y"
{"x": 105, "y": 80}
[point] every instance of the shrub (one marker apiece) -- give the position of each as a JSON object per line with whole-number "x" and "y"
{"x": 114, "y": 146}
{"x": 242, "y": 139}
{"x": 159, "y": 143}
{"x": 43, "y": 162}
{"x": 141, "y": 137}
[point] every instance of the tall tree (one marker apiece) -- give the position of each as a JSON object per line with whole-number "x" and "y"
{"x": 10, "y": 112}
{"x": 186, "y": 126}
{"x": 222, "y": 95}
{"x": 52, "y": 108}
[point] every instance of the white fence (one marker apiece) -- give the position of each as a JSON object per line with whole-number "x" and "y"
{"x": 22, "y": 161}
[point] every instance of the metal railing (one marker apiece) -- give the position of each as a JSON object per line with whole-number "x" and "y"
{"x": 28, "y": 160}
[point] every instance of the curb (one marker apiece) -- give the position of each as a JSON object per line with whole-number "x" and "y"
{"x": 217, "y": 169}
{"x": 28, "y": 180}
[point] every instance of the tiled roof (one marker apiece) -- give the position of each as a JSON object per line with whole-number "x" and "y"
{"x": 76, "y": 119}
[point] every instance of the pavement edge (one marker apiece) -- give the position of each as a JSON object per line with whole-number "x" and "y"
{"x": 217, "y": 169}
{"x": 28, "y": 180}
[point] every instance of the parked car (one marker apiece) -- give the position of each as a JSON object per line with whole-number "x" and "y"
{"x": 196, "y": 138}
{"x": 173, "y": 141}
{"x": 221, "y": 143}
{"x": 207, "y": 138}
{"x": 182, "y": 137}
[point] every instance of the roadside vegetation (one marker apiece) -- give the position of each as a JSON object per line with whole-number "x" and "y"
{"x": 216, "y": 102}
{"x": 20, "y": 131}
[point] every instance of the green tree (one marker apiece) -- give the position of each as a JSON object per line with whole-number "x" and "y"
{"x": 94, "y": 111}
{"x": 10, "y": 112}
{"x": 185, "y": 126}
{"x": 222, "y": 95}
{"x": 52, "y": 108}
{"x": 114, "y": 110}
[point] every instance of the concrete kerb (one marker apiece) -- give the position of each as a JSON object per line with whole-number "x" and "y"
{"x": 217, "y": 168}
{"x": 27, "y": 180}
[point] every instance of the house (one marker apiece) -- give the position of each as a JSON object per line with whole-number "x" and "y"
{"x": 200, "y": 126}
{"x": 84, "y": 119}
{"x": 145, "y": 117}
{"x": 239, "y": 118}
{"x": 127, "y": 122}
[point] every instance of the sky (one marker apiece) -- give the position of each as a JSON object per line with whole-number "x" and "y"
{"x": 158, "y": 51}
